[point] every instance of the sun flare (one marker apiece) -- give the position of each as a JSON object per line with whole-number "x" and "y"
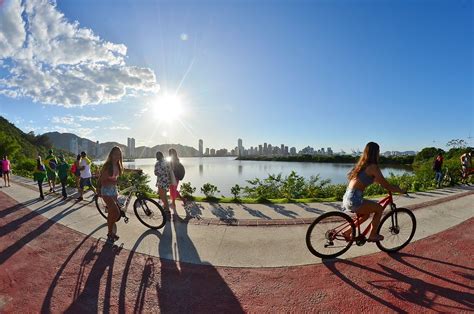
{"x": 167, "y": 107}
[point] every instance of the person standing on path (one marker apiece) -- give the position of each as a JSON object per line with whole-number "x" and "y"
{"x": 63, "y": 169}
{"x": 163, "y": 178}
{"x": 51, "y": 164}
{"x": 437, "y": 167}
{"x": 39, "y": 175}
{"x": 76, "y": 171}
{"x": 364, "y": 173}
{"x": 86, "y": 175}
{"x": 109, "y": 174}
{"x": 6, "y": 168}
{"x": 177, "y": 174}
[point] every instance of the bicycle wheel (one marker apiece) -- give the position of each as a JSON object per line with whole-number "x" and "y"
{"x": 101, "y": 206}
{"x": 149, "y": 212}
{"x": 398, "y": 228}
{"x": 325, "y": 238}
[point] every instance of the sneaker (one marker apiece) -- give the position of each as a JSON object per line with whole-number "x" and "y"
{"x": 79, "y": 199}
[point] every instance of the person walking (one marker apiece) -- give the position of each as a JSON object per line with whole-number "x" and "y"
{"x": 63, "y": 169}
{"x": 6, "y": 168}
{"x": 111, "y": 170}
{"x": 437, "y": 167}
{"x": 163, "y": 178}
{"x": 364, "y": 173}
{"x": 76, "y": 171}
{"x": 51, "y": 163}
{"x": 177, "y": 174}
{"x": 86, "y": 175}
{"x": 39, "y": 175}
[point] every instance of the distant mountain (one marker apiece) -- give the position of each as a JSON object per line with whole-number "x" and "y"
{"x": 76, "y": 144}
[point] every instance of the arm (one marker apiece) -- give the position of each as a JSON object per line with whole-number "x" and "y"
{"x": 374, "y": 170}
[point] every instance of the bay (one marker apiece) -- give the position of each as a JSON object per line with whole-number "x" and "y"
{"x": 225, "y": 172}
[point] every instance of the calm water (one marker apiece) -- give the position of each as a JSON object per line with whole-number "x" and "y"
{"x": 225, "y": 172}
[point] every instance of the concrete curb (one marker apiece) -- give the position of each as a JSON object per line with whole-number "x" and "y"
{"x": 234, "y": 222}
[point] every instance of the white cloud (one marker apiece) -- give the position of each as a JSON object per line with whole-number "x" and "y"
{"x": 121, "y": 127}
{"x": 67, "y": 120}
{"x": 53, "y": 61}
{"x": 94, "y": 119}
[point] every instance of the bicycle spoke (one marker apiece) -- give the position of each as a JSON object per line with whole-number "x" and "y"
{"x": 398, "y": 229}
{"x": 325, "y": 236}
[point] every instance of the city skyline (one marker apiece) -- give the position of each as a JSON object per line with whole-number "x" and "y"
{"x": 339, "y": 73}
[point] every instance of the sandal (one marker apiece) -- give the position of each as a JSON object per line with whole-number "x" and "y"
{"x": 377, "y": 238}
{"x": 112, "y": 237}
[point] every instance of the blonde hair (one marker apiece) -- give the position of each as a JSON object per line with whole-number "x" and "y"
{"x": 369, "y": 157}
{"x": 108, "y": 163}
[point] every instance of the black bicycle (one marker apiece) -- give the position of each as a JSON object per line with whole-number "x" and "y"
{"x": 333, "y": 233}
{"x": 148, "y": 211}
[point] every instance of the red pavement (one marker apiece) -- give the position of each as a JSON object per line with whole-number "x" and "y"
{"x": 46, "y": 267}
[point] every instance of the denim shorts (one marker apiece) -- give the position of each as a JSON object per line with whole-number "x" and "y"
{"x": 352, "y": 200}
{"x": 109, "y": 190}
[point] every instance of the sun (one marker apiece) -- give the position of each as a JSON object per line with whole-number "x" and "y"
{"x": 167, "y": 107}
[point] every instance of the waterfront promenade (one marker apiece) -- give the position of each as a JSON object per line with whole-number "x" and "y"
{"x": 226, "y": 257}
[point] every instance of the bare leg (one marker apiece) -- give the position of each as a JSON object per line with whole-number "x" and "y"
{"x": 367, "y": 208}
{"x": 162, "y": 193}
{"x": 113, "y": 213}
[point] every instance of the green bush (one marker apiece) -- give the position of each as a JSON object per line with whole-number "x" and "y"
{"x": 334, "y": 190}
{"x": 209, "y": 190}
{"x": 235, "y": 190}
{"x": 187, "y": 190}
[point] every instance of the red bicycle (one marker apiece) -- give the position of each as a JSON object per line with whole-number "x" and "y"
{"x": 327, "y": 236}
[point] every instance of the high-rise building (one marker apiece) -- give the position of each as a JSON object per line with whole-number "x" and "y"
{"x": 282, "y": 149}
{"x": 260, "y": 150}
{"x": 329, "y": 151}
{"x": 131, "y": 147}
{"x": 240, "y": 147}
{"x": 265, "y": 148}
{"x": 201, "y": 146}
{"x": 270, "y": 150}
{"x": 286, "y": 151}
{"x": 74, "y": 146}
{"x": 213, "y": 152}
{"x": 293, "y": 151}
{"x": 207, "y": 151}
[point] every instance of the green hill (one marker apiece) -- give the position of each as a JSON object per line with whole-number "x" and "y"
{"x": 19, "y": 145}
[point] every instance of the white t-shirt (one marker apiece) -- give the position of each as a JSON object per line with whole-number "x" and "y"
{"x": 86, "y": 173}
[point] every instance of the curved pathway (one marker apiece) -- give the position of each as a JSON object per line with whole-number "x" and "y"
{"x": 47, "y": 267}
{"x": 239, "y": 246}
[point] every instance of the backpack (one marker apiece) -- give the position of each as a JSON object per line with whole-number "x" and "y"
{"x": 179, "y": 171}
{"x": 73, "y": 168}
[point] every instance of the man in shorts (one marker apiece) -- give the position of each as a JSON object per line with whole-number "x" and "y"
{"x": 51, "y": 163}
{"x": 86, "y": 175}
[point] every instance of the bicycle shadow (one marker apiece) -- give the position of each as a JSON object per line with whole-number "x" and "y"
{"x": 418, "y": 292}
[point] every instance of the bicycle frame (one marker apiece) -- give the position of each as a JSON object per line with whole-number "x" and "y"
{"x": 388, "y": 200}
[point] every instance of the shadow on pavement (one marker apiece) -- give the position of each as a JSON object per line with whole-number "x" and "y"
{"x": 48, "y": 300}
{"x": 405, "y": 288}
{"x": 190, "y": 288}
{"x": 254, "y": 212}
{"x": 282, "y": 210}
{"x": 9, "y": 251}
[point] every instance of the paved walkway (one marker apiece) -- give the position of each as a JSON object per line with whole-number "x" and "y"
{"x": 236, "y": 246}
{"x": 48, "y": 267}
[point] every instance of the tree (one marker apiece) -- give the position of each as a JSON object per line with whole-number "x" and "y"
{"x": 457, "y": 143}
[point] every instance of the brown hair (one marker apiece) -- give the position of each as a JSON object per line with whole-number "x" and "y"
{"x": 108, "y": 163}
{"x": 370, "y": 156}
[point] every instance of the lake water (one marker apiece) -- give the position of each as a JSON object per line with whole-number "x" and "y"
{"x": 225, "y": 172}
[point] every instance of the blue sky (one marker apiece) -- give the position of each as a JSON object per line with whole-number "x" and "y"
{"x": 320, "y": 73}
